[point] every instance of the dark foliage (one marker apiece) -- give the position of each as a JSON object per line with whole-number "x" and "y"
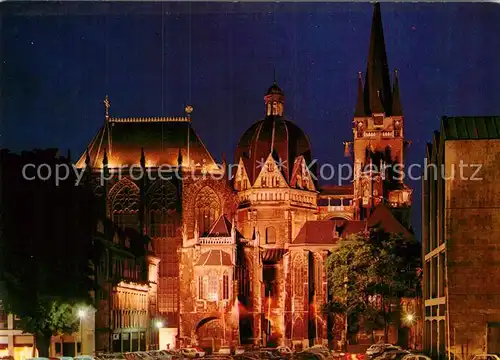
{"x": 46, "y": 243}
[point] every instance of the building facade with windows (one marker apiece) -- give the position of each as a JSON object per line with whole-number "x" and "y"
{"x": 461, "y": 238}
{"x": 241, "y": 260}
{"x": 13, "y": 342}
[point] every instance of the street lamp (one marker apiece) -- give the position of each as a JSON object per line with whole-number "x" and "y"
{"x": 81, "y": 314}
{"x": 159, "y": 324}
{"x": 410, "y": 320}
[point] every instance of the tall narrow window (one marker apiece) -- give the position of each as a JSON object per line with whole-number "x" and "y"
{"x": 125, "y": 204}
{"x": 202, "y": 287}
{"x": 207, "y": 209}
{"x": 213, "y": 288}
{"x": 225, "y": 287}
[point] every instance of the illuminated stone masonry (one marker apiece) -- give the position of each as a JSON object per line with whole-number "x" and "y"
{"x": 241, "y": 260}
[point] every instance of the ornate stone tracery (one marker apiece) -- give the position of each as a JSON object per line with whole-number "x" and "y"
{"x": 207, "y": 208}
{"x": 124, "y": 204}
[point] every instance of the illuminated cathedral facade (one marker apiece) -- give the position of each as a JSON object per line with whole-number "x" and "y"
{"x": 242, "y": 256}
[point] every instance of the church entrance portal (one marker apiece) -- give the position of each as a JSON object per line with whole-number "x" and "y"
{"x": 210, "y": 334}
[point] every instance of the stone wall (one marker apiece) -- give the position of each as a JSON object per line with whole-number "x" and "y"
{"x": 472, "y": 233}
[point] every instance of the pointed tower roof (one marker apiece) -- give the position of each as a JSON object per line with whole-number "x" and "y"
{"x": 397, "y": 108}
{"x": 360, "y": 105}
{"x": 377, "y": 81}
{"x": 221, "y": 228}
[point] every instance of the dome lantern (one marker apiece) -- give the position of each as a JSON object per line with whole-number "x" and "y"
{"x": 274, "y": 100}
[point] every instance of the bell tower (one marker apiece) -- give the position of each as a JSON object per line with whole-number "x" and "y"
{"x": 378, "y": 132}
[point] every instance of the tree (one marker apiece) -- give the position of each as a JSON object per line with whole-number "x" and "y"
{"x": 368, "y": 275}
{"x": 46, "y": 244}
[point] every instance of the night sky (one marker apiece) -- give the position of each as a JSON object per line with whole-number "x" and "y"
{"x": 59, "y": 61}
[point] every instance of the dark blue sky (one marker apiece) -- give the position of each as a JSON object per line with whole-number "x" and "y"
{"x": 59, "y": 61}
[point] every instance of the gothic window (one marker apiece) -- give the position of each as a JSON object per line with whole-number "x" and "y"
{"x": 318, "y": 274}
{"x": 270, "y": 235}
{"x": 161, "y": 200}
{"x": 213, "y": 288}
{"x": 202, "y": 287}
{"x": 298, "y": 283}
{"x": 263, "y": 181}
{"x": 225, "y": 286}
{"x": 207, "y": 209}
{"x": 125, "y": 204}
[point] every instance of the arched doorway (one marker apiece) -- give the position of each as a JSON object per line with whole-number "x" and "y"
{"x": 210, "y": 334}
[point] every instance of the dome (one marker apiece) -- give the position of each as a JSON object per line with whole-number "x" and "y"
{"x": 275, "y": 89}
{"x": 274, "y": 135}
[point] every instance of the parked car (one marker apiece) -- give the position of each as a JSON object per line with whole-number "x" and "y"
{"x": 416, "y": 357}
{"x": 376, "y": 349}
{"x": 392, "y": 353}
{"x": 486, "y": 357}
{"x": 239, "y": 350}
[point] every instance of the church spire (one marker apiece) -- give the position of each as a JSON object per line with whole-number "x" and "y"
{"x": 360, "y": 106}
{"x": 397, "y": 109}
{"x": 377, "y": 81}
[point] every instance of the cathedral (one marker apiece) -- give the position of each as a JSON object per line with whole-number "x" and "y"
{"x": 241, "y": 254}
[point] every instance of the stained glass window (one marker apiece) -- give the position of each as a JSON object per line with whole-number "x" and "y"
{"x": 207, "y": 209}
{"x": 125, "y": 204}
{"x": 298, "y": 282}
{"x": 225, "y": 287}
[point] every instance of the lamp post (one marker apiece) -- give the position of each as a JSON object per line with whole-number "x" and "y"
{"x": 81, "y": 315}
{"x": 158, "y": 326}
{"x": 411, "y": 320}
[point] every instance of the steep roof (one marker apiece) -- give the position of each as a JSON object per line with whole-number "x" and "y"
{"x": 378, "y": 97}
{"x": 380, "y": 217}
{"x": 161, "y": 138}
{"x": 214, "y": 258}
{"x": 470, "y": 127}
{"x": 318, "y": 232}
{"x": 221, "y": 228}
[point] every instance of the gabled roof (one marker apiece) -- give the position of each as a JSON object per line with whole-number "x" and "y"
{"x": 318, "y": 232}
{"x": 470, "y": 127}
{"x": 380, "y": 217}
{"x": 221, "y": 228}
{"x": 214, "y": 258}
{"x": 161, "y": 138}
{"x": 383, "y": 217}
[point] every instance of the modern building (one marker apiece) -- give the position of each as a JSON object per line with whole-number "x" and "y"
{"x": 461, "y": 238}
{"x": 242, "y": 258}
{"x": 12, "y": 340}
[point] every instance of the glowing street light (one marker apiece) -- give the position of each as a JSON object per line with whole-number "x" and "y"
{"x": 159, "y": 324}
{"x": 410, "y": 318}
{"x": 81, "y": 314}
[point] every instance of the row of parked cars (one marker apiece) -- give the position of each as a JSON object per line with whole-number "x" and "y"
{"x": 391, "y": 352}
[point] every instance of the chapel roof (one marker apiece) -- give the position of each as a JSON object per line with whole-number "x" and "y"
{"x": 162, "y": 139}
{"x": 214, "y": 258}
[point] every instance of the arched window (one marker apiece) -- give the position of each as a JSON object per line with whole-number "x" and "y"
{"x": 202, "y": 287}
{"x": 318, "y": 275}
{"x": 270, "y": 235}
{"x": 213, "y": 287}
{"x": 298, "y": 282}
{"x": 225, "y": 286}
{"x": 161, "y": 200}
{"x": 207, "y": 209}
{"x": 125, "y": 204}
